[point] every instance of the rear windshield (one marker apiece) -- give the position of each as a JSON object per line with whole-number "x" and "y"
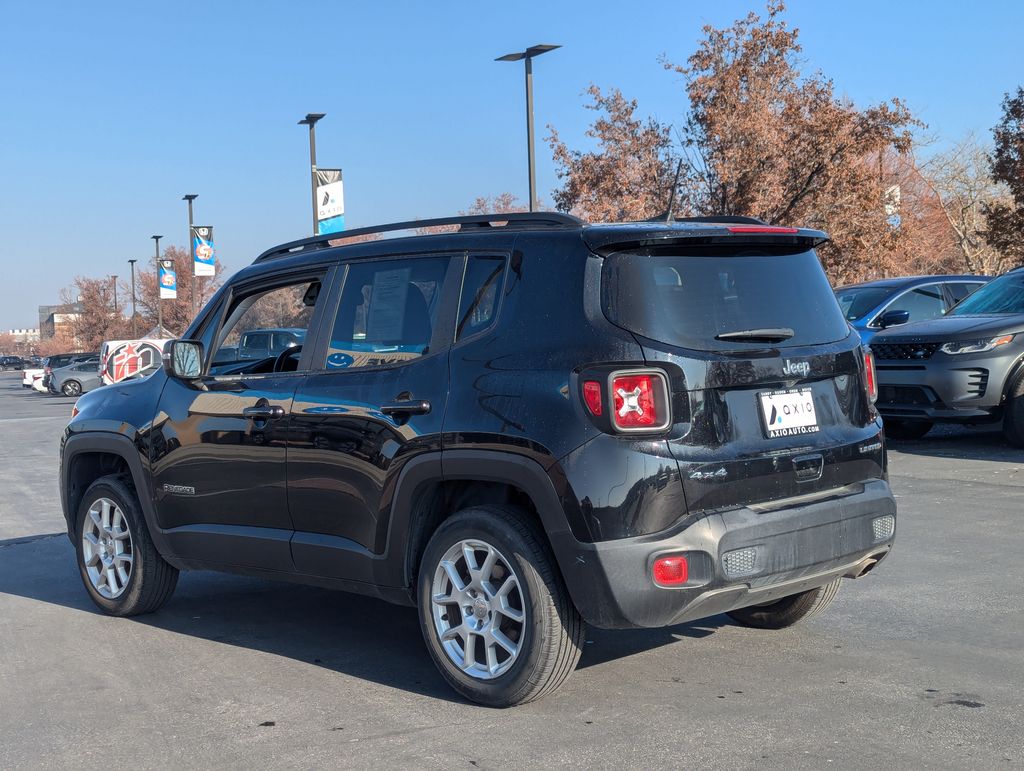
{"x": 1003, "y": 295}
{"x": 691, "y": 298}
{"x": 857, "y": 302}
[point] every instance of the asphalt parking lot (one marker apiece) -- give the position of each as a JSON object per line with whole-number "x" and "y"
{"x": 919, "y": 664}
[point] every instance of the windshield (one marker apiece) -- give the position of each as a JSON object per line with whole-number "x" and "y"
{"x": 1004, "y": 295}
{"x": 722, "y": 299}
{"x": 858, "y": 301}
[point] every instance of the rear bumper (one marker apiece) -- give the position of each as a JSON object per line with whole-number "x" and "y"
{"x": 793, "y": 547}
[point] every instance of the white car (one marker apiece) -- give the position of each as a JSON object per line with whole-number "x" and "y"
{"x": 30, "y": 376}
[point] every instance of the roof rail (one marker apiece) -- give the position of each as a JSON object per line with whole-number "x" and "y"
{"x": 512, "y": 220}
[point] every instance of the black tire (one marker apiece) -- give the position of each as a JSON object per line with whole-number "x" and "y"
{"x": 71, "y": 388}
{"x": 151, "y": 580}
{"x": 906, "y": 429}
{"x": 551, "y": 634}
{"x": 788, "y": 610}
{"x": 1013, "y": 413}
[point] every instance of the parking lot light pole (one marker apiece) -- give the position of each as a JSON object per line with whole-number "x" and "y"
{"x": 527, "y": 57}
{"x": 310, "y": 120}
{"x": 190, "y": 197}
{"x": 132, "y": 263}
{"x": 159, "y": 302}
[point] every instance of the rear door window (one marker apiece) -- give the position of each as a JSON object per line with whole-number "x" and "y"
{"x": 924, "y": 302}
{"x": 688, "y": 298}
{"x": 387, "y": 313}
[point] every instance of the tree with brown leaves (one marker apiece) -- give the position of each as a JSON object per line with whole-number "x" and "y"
{"x": 1005, "y": 219}
{"x": 629, "y": 175}
{"x": 766, "y": 140}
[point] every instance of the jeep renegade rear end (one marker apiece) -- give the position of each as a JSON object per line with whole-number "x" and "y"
{"x": 521, "y": 426}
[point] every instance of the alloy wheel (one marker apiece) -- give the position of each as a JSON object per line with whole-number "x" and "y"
{"x": 107, "y": 551}
{"x": 478, "y": 609}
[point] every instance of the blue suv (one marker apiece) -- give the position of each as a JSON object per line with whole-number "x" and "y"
{"x": 876, "y": 305}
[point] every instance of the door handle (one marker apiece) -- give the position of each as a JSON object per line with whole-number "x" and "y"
{"x": 410, "y": 407}
{"x": 263, "y": 412}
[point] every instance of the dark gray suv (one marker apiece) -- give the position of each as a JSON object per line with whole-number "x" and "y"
{"x": 966, "y": 367}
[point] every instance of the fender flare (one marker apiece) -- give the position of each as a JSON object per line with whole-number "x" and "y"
{"x": 469, "y": 465}
{"x": 123, "y": 447}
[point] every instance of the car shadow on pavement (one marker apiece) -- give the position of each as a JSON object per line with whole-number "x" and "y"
{"x": 353, "y": 635}
{"x": 962, "y": 442}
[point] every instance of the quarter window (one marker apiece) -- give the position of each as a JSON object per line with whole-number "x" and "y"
{"x": 387, "y": 313}
{"x": 481, "y": 290}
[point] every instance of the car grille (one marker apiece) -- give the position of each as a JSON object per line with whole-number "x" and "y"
{"x": 904, "y": 351}
{"x": 903, "y": 395}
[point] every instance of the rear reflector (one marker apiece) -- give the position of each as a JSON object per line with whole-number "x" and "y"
{"x": 740, "y": 562}
{"x": 870, "y": 378}
{"x": 670, "y": 571}
{"x": 761, "y": 229}
{"x": 882, "y": 527}
{"x": 592, "y": 397}
{"x": 639, "y": 401}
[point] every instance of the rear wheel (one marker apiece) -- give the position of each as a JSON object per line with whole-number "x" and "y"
{"x": 1013, "y": 414}
{"x": 495, "y": 615}
{"x": 120, "y": 567}
{"x": 71, "y": 388}
{"x": 906, "y": 429}
{"x": 788, "y": 610}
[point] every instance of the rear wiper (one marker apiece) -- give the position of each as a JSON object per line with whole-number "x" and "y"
{"x": 767, "y": 335}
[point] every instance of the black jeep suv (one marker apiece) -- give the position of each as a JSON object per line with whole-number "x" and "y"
{"x": 518, "y": 426}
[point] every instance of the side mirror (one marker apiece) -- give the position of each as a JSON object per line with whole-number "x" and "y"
{"x": 183, "y": 359}
{"x": 893, "y": 319}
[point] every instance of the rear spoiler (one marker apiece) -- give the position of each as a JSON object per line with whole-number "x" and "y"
{"x": 604, "y": 240}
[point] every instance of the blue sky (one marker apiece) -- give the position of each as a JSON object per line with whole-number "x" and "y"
{"x": 112, "y": 111}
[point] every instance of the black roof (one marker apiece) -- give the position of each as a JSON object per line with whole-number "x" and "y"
{"x": 596, "y": 236}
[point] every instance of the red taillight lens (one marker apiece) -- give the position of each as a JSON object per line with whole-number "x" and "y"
{"x": 639, "y": 401}
{"x": 870, "y": 379}
{"x": 761, "y": 229}
{"x": 592, "y": 397}
{"x": 670, "y": 571}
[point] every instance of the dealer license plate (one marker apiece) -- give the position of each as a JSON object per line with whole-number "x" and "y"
{"x": 788, "y": 413}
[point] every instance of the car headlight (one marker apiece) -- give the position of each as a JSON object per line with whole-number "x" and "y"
{"x": 976, "y": 346}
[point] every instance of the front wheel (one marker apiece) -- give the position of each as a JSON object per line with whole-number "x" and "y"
{"x": 494, "y": 612}
{"x": 906, "y": 429}
{"x": 1013, "y": 414}
{"x": 788, "y": 610}
{"x": 122, "y": 571}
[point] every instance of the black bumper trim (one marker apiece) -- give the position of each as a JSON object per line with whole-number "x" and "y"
{"x": 798, "y": 548}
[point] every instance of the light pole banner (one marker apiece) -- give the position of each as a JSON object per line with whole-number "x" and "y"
{"x": 330, "y": 201}
{"x": 168, "y": 280}
{"x": 203, "y": 251}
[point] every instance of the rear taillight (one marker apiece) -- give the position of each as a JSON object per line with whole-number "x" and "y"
{"x": 639, "y": 400}
{"x": 592, "y": 397}
{"x": 870, "y": 379}
{"x": 670, "y": 571}
{"x": 761, "y": 229}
